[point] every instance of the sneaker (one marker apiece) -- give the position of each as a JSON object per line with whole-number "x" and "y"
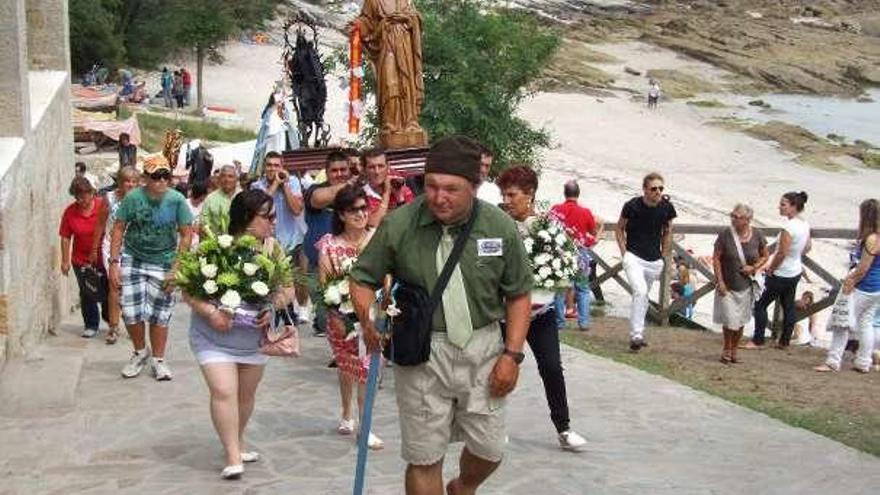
{"x": 88, "y": 333}
{"x": 250, "y": 456}
{"x": 136, "y": 363}
{"x": 635, "y": 345}
{"x": 346, "y": 427}
{"x": 304, "y": 315}
{"x": 232, "y": 472}
{"x": 160, "y": 370}
{"x": 570, "y": 440}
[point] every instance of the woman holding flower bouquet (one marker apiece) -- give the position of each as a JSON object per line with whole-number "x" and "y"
{"x": 554, "y": 260}
{"x": 338, "y": 252}
{"x": 225, "y": 339}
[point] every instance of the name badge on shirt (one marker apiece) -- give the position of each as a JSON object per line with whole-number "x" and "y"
{"x": 490, "y": 247}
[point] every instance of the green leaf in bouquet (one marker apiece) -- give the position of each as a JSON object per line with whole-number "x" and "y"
{"x": 248, "y": 242}
{"x": 228, "y": 279}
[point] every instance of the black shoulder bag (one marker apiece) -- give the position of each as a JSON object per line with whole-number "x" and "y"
{"x": 411, "y": 329}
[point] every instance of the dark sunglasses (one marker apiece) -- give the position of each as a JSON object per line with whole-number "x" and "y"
{"x": 656, "y": 189}
{"x": 161, "y": 175}
{"x": 738, "y": 217}
{"x": 357, "y": 209}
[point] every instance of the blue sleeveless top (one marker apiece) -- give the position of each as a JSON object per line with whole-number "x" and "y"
{"x": 871, "y": 281}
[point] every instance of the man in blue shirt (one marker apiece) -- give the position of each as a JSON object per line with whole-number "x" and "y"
{"x": 285, "y": 189}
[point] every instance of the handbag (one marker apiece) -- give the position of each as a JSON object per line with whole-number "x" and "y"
{"x": 411, "y": 327}
{"x": 281, "y": 340}
{"x": 94, "y": 284}
{"x": 756, "y": 282}
{"x": 842, "y": 317}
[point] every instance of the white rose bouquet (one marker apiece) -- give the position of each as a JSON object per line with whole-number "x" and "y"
{"x": 234, "y": 272}
{"x": 335, "y": 295}
{"x": 552, "y": 254}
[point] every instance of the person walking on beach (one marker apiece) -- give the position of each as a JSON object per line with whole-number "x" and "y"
{"x": 153, "y": 224}
{"x": 863, "y": 285}
{"x": 740, "y": 251}
{"x": 459, "y": 392}
{"x": 784, "y": 270}
{"x": 518, "y": 185}
{"x": 585, "y": 229}
{"x": 644, "y": 237}
{"x": 167, "y": 83}
{"x": 653, "y": 94}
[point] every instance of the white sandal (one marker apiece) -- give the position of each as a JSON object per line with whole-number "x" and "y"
{"x": 232, "y": 472}
{"x": 346, "y": 427}
{"x": 250, "y": 456}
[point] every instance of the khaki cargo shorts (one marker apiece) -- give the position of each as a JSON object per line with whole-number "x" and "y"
{"x": 447, "y": 400}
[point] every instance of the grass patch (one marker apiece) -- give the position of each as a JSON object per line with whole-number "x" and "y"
{"x": 707, "y": 104}
{"x": 731, "y": 123}
{"x": 843, "y": 406}
{"x": 678, "y": 84}
{"x": 153, "y": 129}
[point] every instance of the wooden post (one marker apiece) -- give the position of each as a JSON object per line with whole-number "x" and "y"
{"x": 665, "y": 280}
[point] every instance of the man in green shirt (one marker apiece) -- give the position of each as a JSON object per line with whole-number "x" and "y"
{"x": 217, "y": 203}
{"x": 154, "y": 221}
{"x": 458, "y": 394}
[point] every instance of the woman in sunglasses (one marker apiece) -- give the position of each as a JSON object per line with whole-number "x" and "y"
{"x": 740, "y": 251}
{"x": 228, "y": 351}
{"x": 338, "y": 251}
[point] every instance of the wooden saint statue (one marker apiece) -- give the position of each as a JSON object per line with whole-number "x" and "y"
{"x": 391, "y": 31}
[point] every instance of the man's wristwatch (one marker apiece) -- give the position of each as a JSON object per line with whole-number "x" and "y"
{"x": 516, "y": 356}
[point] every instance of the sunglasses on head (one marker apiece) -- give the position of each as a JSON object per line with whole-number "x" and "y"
{"x": 161, "y": 175}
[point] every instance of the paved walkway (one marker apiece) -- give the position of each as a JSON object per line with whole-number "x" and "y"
{"x": 70, "y": 424}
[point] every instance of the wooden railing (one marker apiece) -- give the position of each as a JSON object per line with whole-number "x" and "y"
{"x": 661, "y": 309}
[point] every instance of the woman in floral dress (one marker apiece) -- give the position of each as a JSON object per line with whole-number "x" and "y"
{"x": 338, "y": 251}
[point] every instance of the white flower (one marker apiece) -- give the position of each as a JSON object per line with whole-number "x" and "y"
{"x": 231, "y": 299}
{"x": 210, "y": 287}
{"x": 545, "y": 272}
{"x": 332, "y": 296}
{"x": 346, "y": 307}
{"x": 392, "y": 310}
{"x": 543, "y": 234}
{"x": 225, "y": 240}
{"x": 346, "y": 264}
{"x": 250, "y": 269}
{"x": 556, "y": 264}
{"x": 343, "y": 287}
{"x": 529, "y": 243}
{"x": 560, "y": 239}
{"x": 260, "y": 288}
{"x": 542, "y": 259}
{"x": 209, "y": 271}
{"x": 548, "y": 284}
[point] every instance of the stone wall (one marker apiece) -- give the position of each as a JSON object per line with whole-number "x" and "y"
{"x": 36, "y": 166}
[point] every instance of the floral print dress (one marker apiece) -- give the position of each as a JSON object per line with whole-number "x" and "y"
{"x": 345, "y": 350}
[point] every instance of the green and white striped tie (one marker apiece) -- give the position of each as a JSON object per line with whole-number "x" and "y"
{"x": 455, "y": 304}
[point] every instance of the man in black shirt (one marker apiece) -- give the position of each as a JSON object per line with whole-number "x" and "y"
{"x": 644, "y": 235}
